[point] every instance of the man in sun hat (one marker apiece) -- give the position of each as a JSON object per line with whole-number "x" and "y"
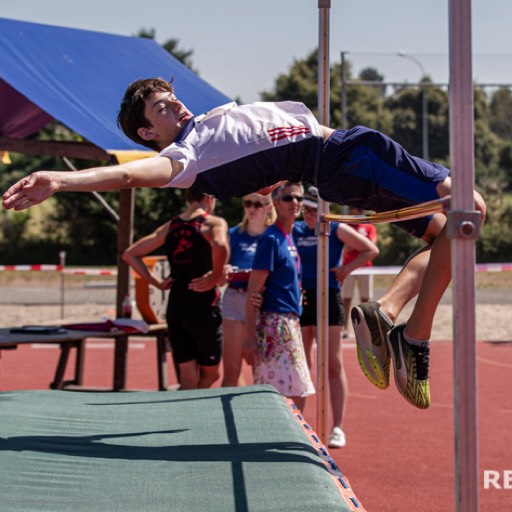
{"x": 307, "y": 244}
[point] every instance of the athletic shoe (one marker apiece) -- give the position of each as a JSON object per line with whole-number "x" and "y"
{"x": 370, "y": 329}
{"x": 337, "y": 438}
{"x": 410, "y": 366}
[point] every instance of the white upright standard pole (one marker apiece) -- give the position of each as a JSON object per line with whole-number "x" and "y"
{"x": 463, "y": 229}
{"x": 62, "y": 261}
{"x": 323, "y": 230}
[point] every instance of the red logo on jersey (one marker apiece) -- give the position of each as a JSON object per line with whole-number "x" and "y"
{"x": 284, "y": 132}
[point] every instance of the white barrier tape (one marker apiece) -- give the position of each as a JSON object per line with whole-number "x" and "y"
{"x": 90, "y": 272}
{"x": 376, "y": 271}
{"x": 493, "y": 267}
{"x": 381, "y": 271}
{"x": 71, "y": 271}
{"x": 393, "y": 270}
{"x": 30, "y": 267}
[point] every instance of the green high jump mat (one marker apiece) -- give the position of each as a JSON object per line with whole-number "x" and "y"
{"x": 230, "y": 449}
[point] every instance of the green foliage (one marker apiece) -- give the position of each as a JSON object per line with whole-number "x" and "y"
{"x": 372, "y": 75}
{"x": 501, "y": 113}
{"x": 14, "y": 225}
{"x": 438, "y": 125}
{"x": 406, "y": 106}
{"x": 495, "y": 242}
{"x": 505, "y": 164}
{"x": 231, "y": 210}
{"x": 79, "y": 224}
{"x": 395, "y": 245}
{"x": 366, "y": 103}
{"x": 487, "y": 147}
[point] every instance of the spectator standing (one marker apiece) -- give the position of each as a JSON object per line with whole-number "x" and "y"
{"x": 307, "y": 243}
{"x": 197, "y": 248}
{"x": 364, "y": 282}
{"x": 259, "y": 213}
{"x": 273, "y": 344}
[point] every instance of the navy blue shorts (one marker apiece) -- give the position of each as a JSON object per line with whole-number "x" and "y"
{"x": 366, "y": 169}
{"x": 308, "y": 317}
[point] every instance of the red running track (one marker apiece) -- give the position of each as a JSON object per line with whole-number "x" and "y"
{"x": 397, "y": 458}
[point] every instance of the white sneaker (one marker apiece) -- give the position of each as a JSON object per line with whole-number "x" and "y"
{"x": 337, "y": 438}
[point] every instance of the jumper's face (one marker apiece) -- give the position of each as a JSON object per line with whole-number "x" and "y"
{"x": 167, "y": 116}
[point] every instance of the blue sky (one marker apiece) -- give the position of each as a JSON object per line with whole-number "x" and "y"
{"x": 240, "y": 46}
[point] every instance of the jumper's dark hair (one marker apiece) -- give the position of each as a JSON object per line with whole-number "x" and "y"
{"x": 131, "y": 112}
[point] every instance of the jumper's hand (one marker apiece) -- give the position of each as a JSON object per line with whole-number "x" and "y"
{"x": 29, "y": 191}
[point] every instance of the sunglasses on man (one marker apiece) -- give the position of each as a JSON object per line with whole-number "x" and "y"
{"x": 290, "y": 197}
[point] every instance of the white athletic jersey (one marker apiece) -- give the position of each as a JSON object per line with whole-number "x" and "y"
{"x": 235, "y": 150}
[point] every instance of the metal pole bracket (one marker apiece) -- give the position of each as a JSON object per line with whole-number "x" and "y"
{"x": 323, "y": 228}
{"x": 464, "y": 224}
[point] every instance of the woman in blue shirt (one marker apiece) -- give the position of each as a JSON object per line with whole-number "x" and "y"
{"x": 273, "y": 342}
{"x": 259, "y": 213}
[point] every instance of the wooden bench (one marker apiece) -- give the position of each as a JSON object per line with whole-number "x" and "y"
{"x": 75, "y": 339}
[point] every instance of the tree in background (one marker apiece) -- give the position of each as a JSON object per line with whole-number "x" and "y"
{"x": 501, "y": 113}
{"x": 366, "y": 104}
{"x": 406, "y": 108}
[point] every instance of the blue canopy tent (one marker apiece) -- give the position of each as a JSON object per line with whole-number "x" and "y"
{"x": 78, "y": 78}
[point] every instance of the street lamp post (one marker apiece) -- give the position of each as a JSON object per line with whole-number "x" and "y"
{"x": 424, "y": 101}
{"x": 344, "y": 122}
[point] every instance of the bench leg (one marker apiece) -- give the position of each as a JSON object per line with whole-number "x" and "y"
{"x": 79, "y": 363}
{"x": 120, "y": 362}
{"x": 61, "y": 365}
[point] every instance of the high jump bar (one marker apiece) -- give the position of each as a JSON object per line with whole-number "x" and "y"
{"x": 409, "y": 212}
